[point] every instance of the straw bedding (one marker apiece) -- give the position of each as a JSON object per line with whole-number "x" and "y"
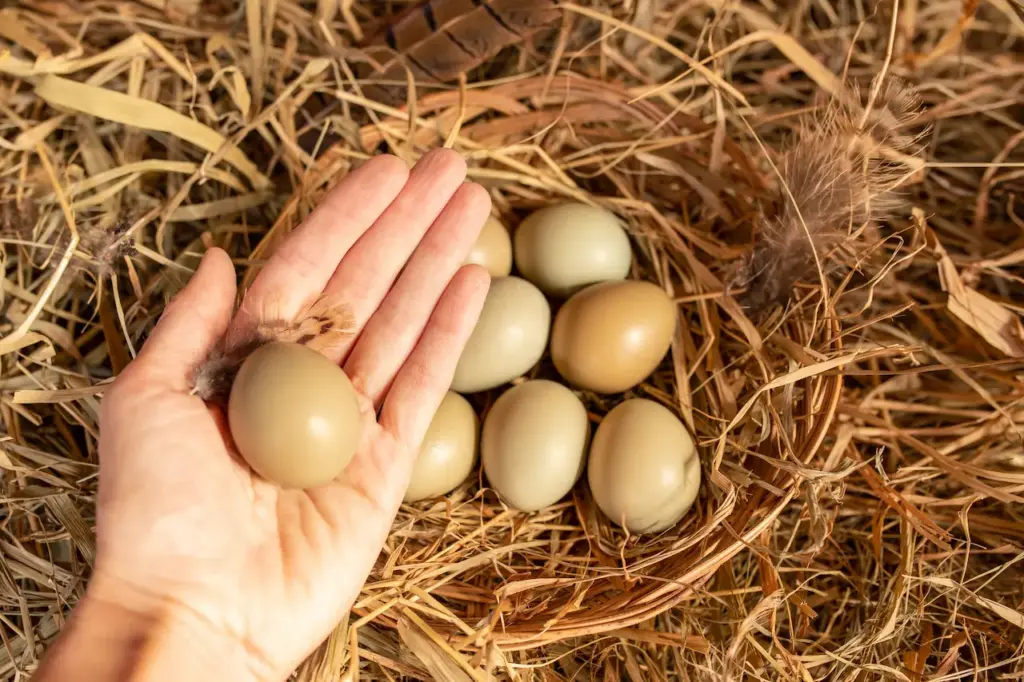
{"x": 860, "y": 427}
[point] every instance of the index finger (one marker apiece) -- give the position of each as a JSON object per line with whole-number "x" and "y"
{"x": 301, "y": 267}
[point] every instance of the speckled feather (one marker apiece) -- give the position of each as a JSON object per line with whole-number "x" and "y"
{"x": 320, "y": 326}
{"x": 837, "y": 181}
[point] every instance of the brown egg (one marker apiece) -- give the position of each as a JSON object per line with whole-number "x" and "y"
{"x": 493, "y": 249}
{"x": 294, "y": 415}
{"x": 533, "y": 444}
{"x": 643, "y": 469}
{"x": 448, "y": 452}
{"x": 610, "y": 336}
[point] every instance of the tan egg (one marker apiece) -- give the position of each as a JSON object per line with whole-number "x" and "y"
{"x": 534, "y": 443}
{"x": 294, "y": 415}
{"x": 493, "y": 249}
{"x": 609, "y": 337}
{"x": 643, "y": 469}
{"x": 448, "y": 452}
{"x": 564, "y": 247}
{"x": 509, "y": 338}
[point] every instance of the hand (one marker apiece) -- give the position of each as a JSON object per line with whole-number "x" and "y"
{"x": 254, "y": 577}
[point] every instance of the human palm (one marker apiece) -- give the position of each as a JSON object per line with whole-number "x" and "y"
{"x": 182, "y": 519}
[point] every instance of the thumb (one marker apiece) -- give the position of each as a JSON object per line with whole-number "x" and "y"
{"x": 194, "y": 320}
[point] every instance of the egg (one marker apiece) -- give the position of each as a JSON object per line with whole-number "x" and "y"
{"x": 564, "y": 247}
{"x": 294, "y": 415}
{"x": 448, "y": 451}
{"x": 643, "y": 469}
{"x": 534, "y": 443}
{"x": 492, "y": 249}
{"x": 610, "y": 336}
{"x": 509, "y": 338}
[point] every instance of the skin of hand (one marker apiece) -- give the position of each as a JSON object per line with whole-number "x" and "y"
{"x": 205, "y": 571}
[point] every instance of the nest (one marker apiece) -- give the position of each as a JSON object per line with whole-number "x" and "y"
{"x": 597, "y": 579}
{"x": 856, "y": 408}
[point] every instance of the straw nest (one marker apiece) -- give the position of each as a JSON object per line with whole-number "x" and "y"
{"x": 857, "y": 404}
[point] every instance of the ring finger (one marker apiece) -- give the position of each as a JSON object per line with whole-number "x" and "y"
{"x": 393, "y": 331}
{"x": 371, "y": 266}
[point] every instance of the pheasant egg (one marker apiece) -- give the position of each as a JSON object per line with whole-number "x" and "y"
{"x": 533, "y": 444}
{"x": 493, "y": 249}
{"x": 509, "y": 338}
{"x": 610, "y": 336}
{"x": 294, "y": 415}
{"x": 448, "y": 452}
{"x": 643, "y": 469}
{"x": 564, "y": 247}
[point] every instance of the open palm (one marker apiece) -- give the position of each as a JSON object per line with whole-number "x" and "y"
{"x": 183, "y": 521}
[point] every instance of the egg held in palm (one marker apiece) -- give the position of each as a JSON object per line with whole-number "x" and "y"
{"x": 643, "y": 468}
{"x": 509, "y": 337}
{"x": 294, "y": 415}
{"x": 566, "y": 246}
{"x": 448, "y": 452}
{"x": 611, "y": 336}
{"x": 534, "y": 443}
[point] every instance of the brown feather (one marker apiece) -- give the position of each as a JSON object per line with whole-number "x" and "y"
{"x": 831, "y": 181}
{"x": 321, "y": 326}
{"x": 440, "y": 39}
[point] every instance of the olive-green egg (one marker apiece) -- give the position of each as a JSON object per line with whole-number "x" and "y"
{"x": 643, "y": 468}
{"x": 611, "y": 336}
{"x": 294, "y": 415}
{"x": 492, "y": 249}
{"x": 566, "y": 246}
{"x": 448, "y": 452}
{"x": 509, "y": 337}
{"x": 533, "y": 444}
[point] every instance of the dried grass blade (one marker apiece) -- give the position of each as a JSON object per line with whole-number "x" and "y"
{"x": 37, "y": 397}
{"x": 710, "y": 76}
{"x": 219, "y": 207}
{"x": 15, "y": 30}
{"x": 440, "y": 660}
{"x": 58, "y": 272}
{"x": 64, "y": 93}
{"x": 154, "y": 166}
{"x": 1010, "y": 615}
{"x": 116, "y": 349}
{"x": 67, "y": 514}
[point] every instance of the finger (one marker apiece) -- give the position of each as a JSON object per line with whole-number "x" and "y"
{"x": 392, "y": 332}
{"x": 427, "y": 375}
{"x": 371, "y": 266}
{"x": 308, "y": 257}
{"x": 191, "y": 323}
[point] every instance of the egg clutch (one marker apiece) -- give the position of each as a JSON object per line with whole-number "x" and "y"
{"x": 608, "y": 335}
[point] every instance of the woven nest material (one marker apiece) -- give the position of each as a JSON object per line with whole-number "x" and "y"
{"x": 860, "y": 511}
{"x": 595, "y": 578}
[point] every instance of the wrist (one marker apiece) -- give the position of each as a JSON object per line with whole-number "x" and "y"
{"x": 119, "y": 633}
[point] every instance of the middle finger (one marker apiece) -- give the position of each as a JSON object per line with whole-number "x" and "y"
{"x": 371, "y": 266}
{"x": 394, "y": 330}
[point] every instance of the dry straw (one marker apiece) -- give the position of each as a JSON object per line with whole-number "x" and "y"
{"x": 861, "y": 442}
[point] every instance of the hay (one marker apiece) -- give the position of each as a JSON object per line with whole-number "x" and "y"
{"x": 860, "y": 515}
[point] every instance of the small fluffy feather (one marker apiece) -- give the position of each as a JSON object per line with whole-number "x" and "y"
{"x": 320, "y": 326}
{"x": 831, "y": 181}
